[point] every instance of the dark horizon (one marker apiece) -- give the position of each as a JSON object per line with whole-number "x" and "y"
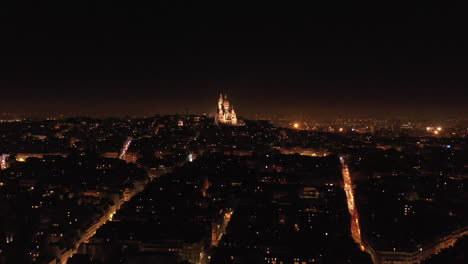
{"x": 316, "y": 61}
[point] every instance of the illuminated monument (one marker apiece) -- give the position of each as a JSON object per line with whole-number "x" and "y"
{"x": 225, "y": 114}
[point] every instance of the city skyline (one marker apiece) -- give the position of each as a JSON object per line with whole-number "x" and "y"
{"x": 182, "y": 132}
{"x": 251, "y": 110}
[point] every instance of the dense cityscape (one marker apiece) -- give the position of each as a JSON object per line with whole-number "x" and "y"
{"x": 232, "y": 132}
{"x": 201, "y": 189}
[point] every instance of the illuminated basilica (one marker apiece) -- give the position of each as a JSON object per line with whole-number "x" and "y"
{"x": 225, "y": 114}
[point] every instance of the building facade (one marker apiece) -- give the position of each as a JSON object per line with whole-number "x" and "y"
{"x": 225, "y": 114}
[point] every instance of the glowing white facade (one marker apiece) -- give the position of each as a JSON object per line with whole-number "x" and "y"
{"x": 225, "y": 114}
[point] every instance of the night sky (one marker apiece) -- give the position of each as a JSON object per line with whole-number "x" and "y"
{"x": 317, "y": 61}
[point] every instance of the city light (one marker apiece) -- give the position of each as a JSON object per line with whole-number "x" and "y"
{"x": 348, "y": 187}
{"x": 3, "y": 163}
{"x": 244, "y": 135}
{"x": 125, "y": 147}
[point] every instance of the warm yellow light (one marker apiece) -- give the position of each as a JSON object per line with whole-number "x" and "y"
{"x": 436, "y": 132}
{"x": 21, "y": 160}
{"x": 428, "y": 128}
{"x": 439, "y": 128}
{"x": 296, "y": 125}
{"x": 341, "y": 129}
